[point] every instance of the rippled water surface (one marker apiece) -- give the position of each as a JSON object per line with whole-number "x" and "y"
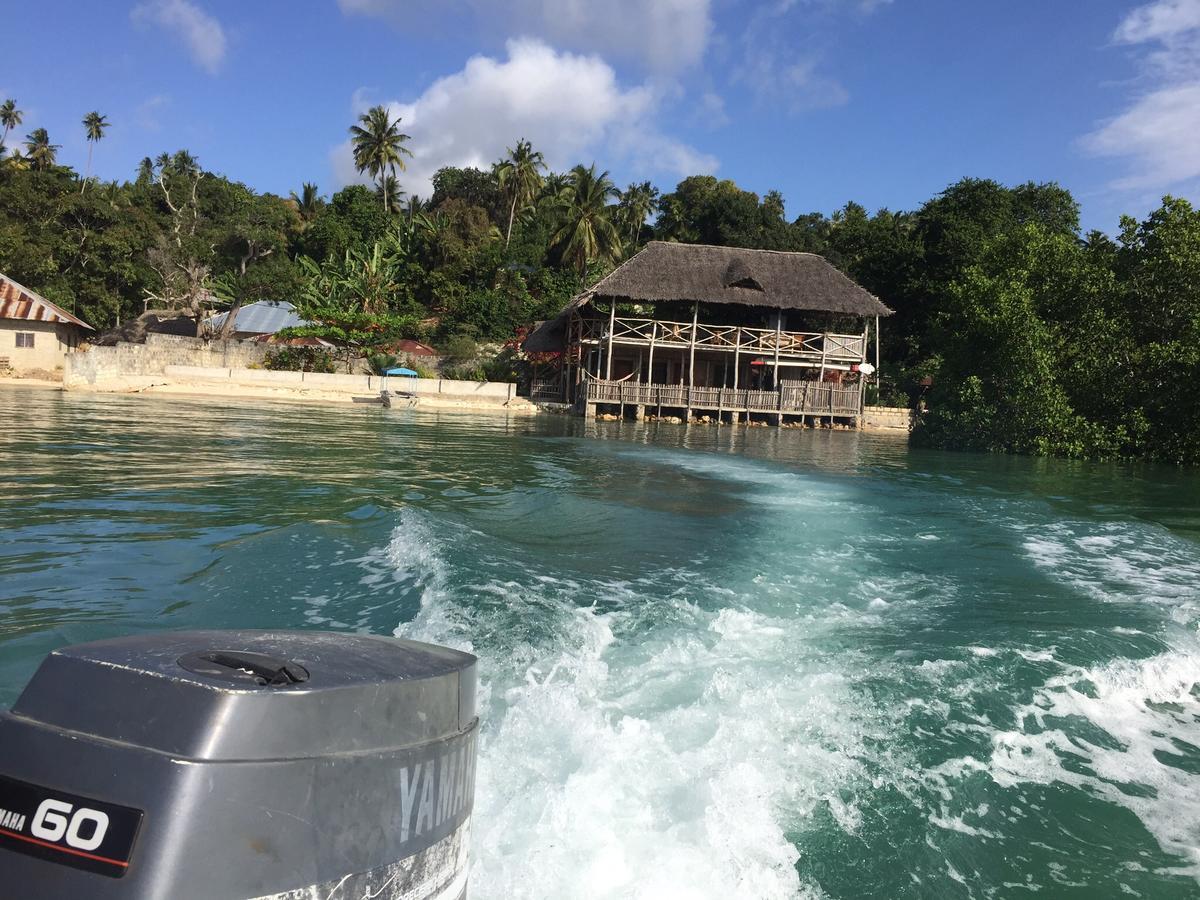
{"x": 715, "y": 663}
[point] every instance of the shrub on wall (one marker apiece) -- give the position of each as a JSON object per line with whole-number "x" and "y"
{"x": 299, "y": 359}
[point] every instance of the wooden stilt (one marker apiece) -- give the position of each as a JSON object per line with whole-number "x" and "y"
{"x": 737, "y": 352}
{"x": 612, "y": 324}
{"x": 692, "y": 359}
{"x": 778, "y": 341}
{"x": 877, "y": 348}
{"x": 650, "y": 364}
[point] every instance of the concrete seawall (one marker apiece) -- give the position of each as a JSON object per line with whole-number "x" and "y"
{"x": 159, "y": 351}
{"x": 167, "y": 364}
{"x": 888, "y": 418}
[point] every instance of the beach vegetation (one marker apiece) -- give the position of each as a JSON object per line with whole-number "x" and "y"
{"x": 300, "y": 359}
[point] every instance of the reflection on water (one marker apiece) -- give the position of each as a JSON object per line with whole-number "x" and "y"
{"x": 716, "y": 662}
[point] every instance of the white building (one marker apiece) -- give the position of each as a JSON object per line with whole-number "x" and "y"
{"x": 35, "y": 334}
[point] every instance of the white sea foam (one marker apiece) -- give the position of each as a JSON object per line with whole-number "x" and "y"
{"x": 1119, "y": 730}
{"x": 1112, "y": 731}
{"x": 626, "y": 754}
{"x": 1123, "y": 563}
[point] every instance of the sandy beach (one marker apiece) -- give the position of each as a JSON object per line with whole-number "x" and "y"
{"x": 234, "y": 389}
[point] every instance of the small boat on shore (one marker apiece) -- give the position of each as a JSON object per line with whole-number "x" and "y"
{"x": 408, "y": 380}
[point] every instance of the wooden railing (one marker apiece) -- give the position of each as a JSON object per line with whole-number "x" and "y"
{"x": 729, "y": 338}
{"x": 546, "y": 390}
{"x": 835, "y": 399}
{"x": 795, "y": 398}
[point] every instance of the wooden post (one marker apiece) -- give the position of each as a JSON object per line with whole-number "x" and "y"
{"x": 692, "y": 358}
{"x": 778, "y": 341}
{"x": 877, "y": 349}
{"x": 862, "y": 382}
{"x": 778, "y": 387}
{"x": 650, "y": 365}
{"x": 612, "y": 327}
{"x": 564, "y": 375}
{"x": 737, "y": 351}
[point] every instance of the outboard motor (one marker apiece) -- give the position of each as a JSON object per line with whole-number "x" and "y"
{"x": 228, "y": 765}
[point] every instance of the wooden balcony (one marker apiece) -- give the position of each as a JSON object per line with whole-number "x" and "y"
{"x": 808, "y": 398}
{"x": 816, "y": 347}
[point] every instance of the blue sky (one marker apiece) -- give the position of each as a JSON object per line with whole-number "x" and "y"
{"x": 884, "y": 102}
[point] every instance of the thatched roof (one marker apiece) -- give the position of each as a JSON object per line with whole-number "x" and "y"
{"x": 768, "y": 279}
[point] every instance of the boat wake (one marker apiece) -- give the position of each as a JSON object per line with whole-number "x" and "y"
{"x": 635, "y": 744}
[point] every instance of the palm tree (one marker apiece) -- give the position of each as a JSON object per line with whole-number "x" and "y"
{"x": 94, "y": 124}
{"x": 554, "y": 184}
{"x": 520, "y": 179}
{"x": 637, "y": 202}
{"x": 10, "y": 118}
{"x": 378, "y": 145}
{"x": 183, "y": 163}
{"x": 415, "y": 207}
{"x": 585, "y": 231}
{"x": 308, "y": 202}
{"x": 145, "y": 170}
{"x": 389, "y": 190}
{"x": 41, "y": 153}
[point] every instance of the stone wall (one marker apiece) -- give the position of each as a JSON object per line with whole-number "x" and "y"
{"x": 168, "y": 359}
{"x": 153, "y": 357}
{"x": 898, "y": 418}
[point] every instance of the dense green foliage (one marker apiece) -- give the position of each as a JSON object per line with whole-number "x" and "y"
{"x": 300, "y": 359}
{"x": 1013, "y": 331}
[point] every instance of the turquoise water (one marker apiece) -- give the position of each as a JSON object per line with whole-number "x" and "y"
{"x": 715, "y": 663}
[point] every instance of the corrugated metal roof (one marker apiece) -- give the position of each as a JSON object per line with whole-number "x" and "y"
{"x": 263, "y": 317}
{"x": 19, "y": 302}
{"x": 416, "y": 348}
{"x": 292, "y": 342}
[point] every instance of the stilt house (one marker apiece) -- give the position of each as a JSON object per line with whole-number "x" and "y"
{"x": 690, "y": 330}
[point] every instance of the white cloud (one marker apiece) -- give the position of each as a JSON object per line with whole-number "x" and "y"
{"x": 1159, "y": 132}
{"x": 710, "y": 112}
{"x": 661, "y": 35}
{"x": 784, "y": 45}
{"x": 791, "y": 83}
{"x": 199, "y": 31}
{"x": 1158, "y": 21}
{"x": 571, "y": 107}
{"x": 148, "y": 111}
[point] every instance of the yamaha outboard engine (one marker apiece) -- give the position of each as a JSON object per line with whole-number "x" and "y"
{"x": 231, "y": 765}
